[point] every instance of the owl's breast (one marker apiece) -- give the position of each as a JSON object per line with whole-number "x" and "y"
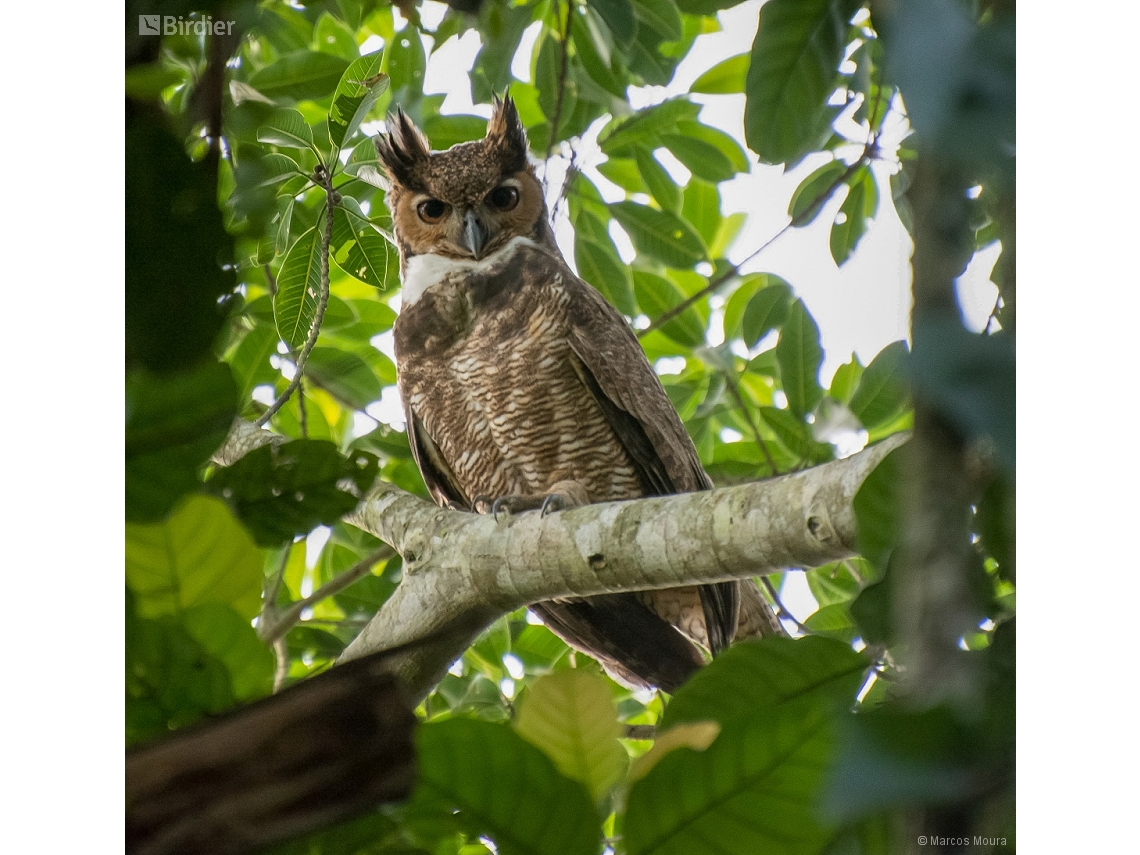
{"x": 500, "y": 397}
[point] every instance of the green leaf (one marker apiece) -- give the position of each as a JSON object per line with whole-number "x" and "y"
{"x": 345, "y": 374}
{"x": 706, "y": 7}
{"x": 282, "y": 242}
{"x": 298, "y": 289}
{"x": 407, "y": 64}
{"x": 599, "y": 263}
{"x": 883, "y": 389}
{"x": 227, "y": 636}
{"x": 570, "y": 715}
{"x": 280, "y": 491}
{"x": 332, "y": 36}
{"x": 800, "y": 355}
{"x": 199, "y": 555}
{"x": 718, "y": 139}
{"x": 594, "y": 53}
{"x": 446, "y": 131}
{"x": 753, "y": 676}
{"x": 356, "y": 94}
{"x": 656, "y": 295}
{"x": 795, "y": 435}
{"x": 659, "y": 234}
{"x": 793, "y": 70}
{"x": 767, "y": 309}
{"x": 753, "y": 790}
{"x": 301, "y": 75}
{"x": 701, "y": 208}
{"x": 661, "y": 186}
{"x": 857, "y": 211}
{"x": 502, "y": 787}
{"x": 659, "y": 16}
{"x": 250, "y": 361}
{"x": 642, "y": 127}
{"x": 699, "y": 157}
{"x": 174, "y": 423}
{"x": 358, "y": 248}
{"x": 814, "y": 191}
{"x": 846, "y": 378}
{"x": 618, "y": 15}
{"x": 287, "y": 128}
{"x": 724, "y": 78}
{"x": 878, "y": 507}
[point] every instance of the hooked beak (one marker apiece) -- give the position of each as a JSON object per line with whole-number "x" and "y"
{"x": 475, "y": 234}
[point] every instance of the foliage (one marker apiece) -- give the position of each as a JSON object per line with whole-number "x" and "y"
{"x": 230, "y": 253}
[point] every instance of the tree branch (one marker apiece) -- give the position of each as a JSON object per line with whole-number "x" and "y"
{"x": 464, "y": 571}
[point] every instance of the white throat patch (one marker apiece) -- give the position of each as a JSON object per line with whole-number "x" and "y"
{"x": 424, "y": 271}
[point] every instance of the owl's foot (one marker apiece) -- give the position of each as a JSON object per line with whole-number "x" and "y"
{"x": 562, "y": 496}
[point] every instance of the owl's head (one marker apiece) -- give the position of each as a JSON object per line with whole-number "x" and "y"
{"x": 465, "y": 202}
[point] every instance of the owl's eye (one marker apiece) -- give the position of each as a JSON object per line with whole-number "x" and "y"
{"x": 504, "y": 197}
{"x": 432, "y": 210}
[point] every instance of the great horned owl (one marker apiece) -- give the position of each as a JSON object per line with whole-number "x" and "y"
{"x": 522, "y": 383}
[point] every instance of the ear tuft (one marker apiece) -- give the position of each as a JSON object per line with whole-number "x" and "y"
{"x": 403, "y": 150}
{"x": 506, "y": 135}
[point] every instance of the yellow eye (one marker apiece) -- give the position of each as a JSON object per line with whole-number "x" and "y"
{"x": 432, "y": 210}
{"x": 504, "y": 197}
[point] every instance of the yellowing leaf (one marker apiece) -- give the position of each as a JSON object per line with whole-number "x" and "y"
{"x": 570, "y": 715}
{"x": 697, "y": 735}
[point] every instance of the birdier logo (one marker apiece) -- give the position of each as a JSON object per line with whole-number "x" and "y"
{"x": 169, "y": 25}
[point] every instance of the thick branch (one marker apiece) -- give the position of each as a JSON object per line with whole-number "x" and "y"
{"x": 463, "y": 571}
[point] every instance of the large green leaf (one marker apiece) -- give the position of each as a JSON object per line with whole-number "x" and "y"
{"x": 280, "y": 491}
{"x": 487, "y": 780}
{"x": 299, "y": 289}
{"x": 618, "y": 15}
{"x": 755, "y": 675}
{"x": 570, "y": 715}
{"x": 700, "y": 207}
{"x": 664, "y": 191}
{"x": 793, "y": 70}
{"x": 755, "y": 789}
{"x": 599, "y": 263}
{"x": 883, "y": 388}
{"x": 660, "y": 234}
{"x": 346, "y": 375}
{"x": 766, "y": 310}
{"x": 814, "y": 191}
{"x": 356, "y": 94}
{"x": 800, "y": 355}
{"x": 878, "y": 507}
{"x": 701, "y": 158}
{"x": 358, "y": 248}
{"x": 796, "y": 435}
{"x": 287, "y": 128}
{"x": 718, "y": 139}
{"x": 199, "y": 555}
{"x": 300, "y": 75}
{"x": 174, "y": 423}
{"x": 657, "y": 295}
{"x": 724, "y": 78}
{"x": 856, "y": 213}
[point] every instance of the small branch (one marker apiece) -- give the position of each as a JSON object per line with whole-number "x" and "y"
{"x": 332, "y": 199}
{"x": 556, "y": 120}
{"x": 301, "y": 409}
{"x": 734, "y": 388}
{"x": 781, "y": 608}
{"x": 640, "y": 731}
{"x": 286, "y": 620}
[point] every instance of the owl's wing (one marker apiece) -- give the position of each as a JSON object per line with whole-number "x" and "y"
{"x": 612, "y": 365}
{"x": 440, "y": 480}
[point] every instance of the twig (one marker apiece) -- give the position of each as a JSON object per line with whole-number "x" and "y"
{"x": 556, "y": 120}
{"x": 281, "y": 668}
{"x": 301, "y": 408}
{"x": 285, "y": 620}
{"x": 734, "y": 388}
{"x": 640, "y": 731}
{"x": 332, "y": 199}
{"x": 771, "y": 589}
{"x": 271, "y": 279}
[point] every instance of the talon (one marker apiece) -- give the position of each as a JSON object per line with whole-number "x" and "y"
{"x": 480, "y": 499}
{"x": 553, "y": 503}
{"x": 500, "y": 503}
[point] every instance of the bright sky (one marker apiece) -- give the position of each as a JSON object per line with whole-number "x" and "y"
{"x": 860, "y": 308}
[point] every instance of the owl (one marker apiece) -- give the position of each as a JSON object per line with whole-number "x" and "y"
{"x": 525, "y": 389}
